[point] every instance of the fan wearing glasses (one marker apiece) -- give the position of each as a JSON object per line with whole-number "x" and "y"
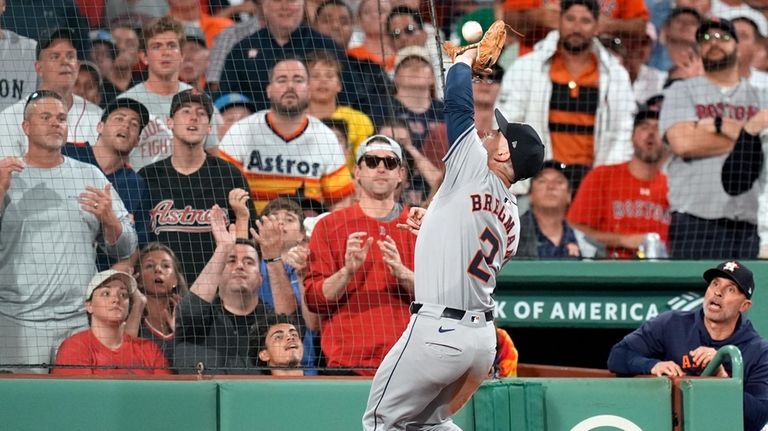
{"x": 406, "y": 29}
{"x": 704, "y": 118}
{"x": 360, "y": 274}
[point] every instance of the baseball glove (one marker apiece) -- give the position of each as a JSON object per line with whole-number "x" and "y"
{"x": 488, "y": 49}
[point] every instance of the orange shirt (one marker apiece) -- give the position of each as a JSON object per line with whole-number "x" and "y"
{"x": 621, "y": 9}
{"x": 363, "y": 53}
{"x": 572, "y": 109}
{"x": 212, "y": 26}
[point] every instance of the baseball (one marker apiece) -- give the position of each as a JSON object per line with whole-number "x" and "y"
{"x": 472, "y": 31}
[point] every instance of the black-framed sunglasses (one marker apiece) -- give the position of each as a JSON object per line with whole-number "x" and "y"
{"x": 40, "y": 94}
{"x": 408, "y": 30}
{"x": 390, "y": 163}
{"x": 708, "y": 37}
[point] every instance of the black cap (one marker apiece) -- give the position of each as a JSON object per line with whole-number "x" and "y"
{"x": 191, "y": 96}
{"x": 524, "y": 145}
{"x": 719, "y": 23}
{"x": 645, "y": 113}
{"x": 48, "y": 36}
{"x": 735, "y": 271}
{"x": 681, "y": 10}
{"x": 134, "y": 105}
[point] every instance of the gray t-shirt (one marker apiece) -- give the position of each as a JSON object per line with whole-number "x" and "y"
{"x": 156, "y": 140}
{"x": 17, "y": 74}
{"x": 47, "y": 242}
{"x": 695, "y": 186}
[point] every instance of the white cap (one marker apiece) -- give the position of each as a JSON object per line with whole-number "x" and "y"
{"x": 412, "y": 51}
{"x": 748, "y": 13}
{"x": 379, "y": 142}
{"x": 104, "y": 276}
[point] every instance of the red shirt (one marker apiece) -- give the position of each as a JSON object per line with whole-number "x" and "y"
{"x": 359, "y": 329}
{"x": 134, "y": 356}
{"x": 610, "y": 199}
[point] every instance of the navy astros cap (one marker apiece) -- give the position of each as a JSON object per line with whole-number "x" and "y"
{"x": 524, "y": 145}
{"x": 48, "y": 36}
{"x": 735, "y": 271}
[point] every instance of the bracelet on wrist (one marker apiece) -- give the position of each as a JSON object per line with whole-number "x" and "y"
{"x": 274, "y": 259}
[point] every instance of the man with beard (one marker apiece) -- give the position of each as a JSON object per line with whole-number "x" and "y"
{"x": 119, "y": 129}
{"x": 282, "y": 149}
{"x": 617, "y": 205}
{"x": 574, "y": 93}
{"x": 702, "y": 119}
{"x": 182, "y": 189}
{"x": 683, "y": 343}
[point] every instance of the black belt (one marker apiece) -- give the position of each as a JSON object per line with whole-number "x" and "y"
{"x": 450, "y": 313}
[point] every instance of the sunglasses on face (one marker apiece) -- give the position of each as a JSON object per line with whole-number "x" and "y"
{"x": 408, "y": 30}
{"x": 372, "y": 162}
{"x": 708, "y": 37}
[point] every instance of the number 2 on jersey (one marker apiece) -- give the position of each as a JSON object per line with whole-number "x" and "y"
{"x": 476, "y": 265}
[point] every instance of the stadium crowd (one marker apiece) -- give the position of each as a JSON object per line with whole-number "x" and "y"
{"x": 197, "y": 186}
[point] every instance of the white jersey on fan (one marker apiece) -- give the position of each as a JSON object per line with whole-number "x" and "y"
{"x": 473, "y": 199}
{"x": 82, "y": 119}
{"x": 17, "y": 74}
{"x": 155, "y": 142}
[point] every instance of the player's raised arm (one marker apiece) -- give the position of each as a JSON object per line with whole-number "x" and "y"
{"x": 459, "y": 100}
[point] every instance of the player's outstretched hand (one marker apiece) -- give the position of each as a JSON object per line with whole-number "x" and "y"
{"x": 413, "y": 223}
{"x": 357, "y": 250}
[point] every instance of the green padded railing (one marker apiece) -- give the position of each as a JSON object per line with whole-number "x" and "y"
{"x": 737, "y": 362}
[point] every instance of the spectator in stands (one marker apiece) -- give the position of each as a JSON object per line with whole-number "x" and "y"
{"x": 335, "y": 19}
{"x": 485, "y": 91}
{"x": 118, "y": 131}
{"x": 283, "y": 149}
{"x": 617, "y": 205}
{"x": 324, "y": 88}
{"x": 362, "y": 289}
{"x": 103, "y": 53}
{"x": 21, "y": 79}
{"x": 425, "y": 176}
{"x": 730, "y": 8}
{"x": 280, "y": 348}
{"x": 233, "y": 107}
{"x": 52, "y": 209}
{"x": 122, "y": 76}
{"x": 293, "y": 258}
{"x": 215, "y": 322}
{"x": 182, "y": 188}
{"x": 584, "y": 117}
{"x": 544, "y": 230}
{"x": 625, "y": 19}
{"x": 194, "y": 54}
{"x": 677, "y": 51}
{"x": 646, "y": 81}
{"x": 227, "y": 39}
{"x": 161, "y": 285}
{"x": 57, "y": 67}
{"x": 683, "y": 343}
{"x": 407, "y": 29}
{"x": 189, "y": 13}
{"x": 376, "y": 47}
{"x": 749, "y": 38}
{"x": 701, "y": 131}
{"x": 339, "y": 128}
{"x": 89, "y": 83}
{"x": 160, "y": 51}
{"x": 106, "y": 348}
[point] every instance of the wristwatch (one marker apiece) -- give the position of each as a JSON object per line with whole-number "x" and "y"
{"x": 719, "y": 125}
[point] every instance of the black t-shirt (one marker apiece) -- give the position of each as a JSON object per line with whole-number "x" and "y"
{"x": 178, "y": 208}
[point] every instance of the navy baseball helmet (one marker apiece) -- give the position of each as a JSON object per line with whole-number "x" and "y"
{"x": 524, "y": 145}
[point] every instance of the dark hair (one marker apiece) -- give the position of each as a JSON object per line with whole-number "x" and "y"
{"x": 158, "y": 26}
{"x": 337, "y": 123}
{"x": 286, "y": 57}
{"x": 323, "y": 56}
{"x": 181, "y": 281}
{"x": 286, "y": 204}
{"x": 249, "y": 242}
{"x": 404, "y": 10}
{"x": 260, "y": 331}
{"x": 327, "y": 3}
{"x": 592, "y": 5}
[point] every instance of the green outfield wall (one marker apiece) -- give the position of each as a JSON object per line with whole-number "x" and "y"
{"x": 316, "y": 404}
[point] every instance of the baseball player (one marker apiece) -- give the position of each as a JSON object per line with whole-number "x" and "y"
{"x": 469, "y": 231}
